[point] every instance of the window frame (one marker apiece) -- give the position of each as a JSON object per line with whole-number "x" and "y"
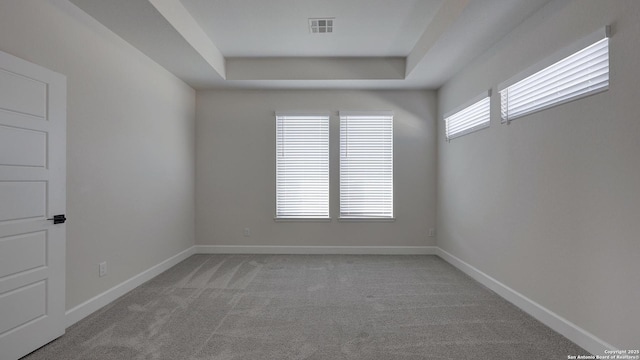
{"x": 369, "y": 218}
{"x": 303, "y": 218}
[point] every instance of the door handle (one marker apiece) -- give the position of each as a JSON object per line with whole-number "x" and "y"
{"x": 58, "y": 219}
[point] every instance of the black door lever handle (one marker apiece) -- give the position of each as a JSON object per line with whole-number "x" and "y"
{"x": 58, "y": 219}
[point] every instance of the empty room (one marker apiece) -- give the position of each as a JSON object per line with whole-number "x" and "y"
{"x": 305, "y": 179}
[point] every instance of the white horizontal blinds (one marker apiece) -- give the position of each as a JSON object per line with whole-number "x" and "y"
{"x": 583, "y": 73}
{"x": 366, "y": 165}
{"x": 469, "y": 119}
{"x": 302, "y": 166}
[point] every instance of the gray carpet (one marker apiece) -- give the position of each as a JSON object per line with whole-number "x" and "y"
{"x": 282, "y": 307}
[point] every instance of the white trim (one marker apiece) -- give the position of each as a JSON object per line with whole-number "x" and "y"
{"x": 303, "y": 113}
{"x": 300, "y": 219}
{"x": 604, "y": 32}
{"x": 312, "y": 250}
{"x": 365, "y": 113}
{"x": 367, "y": 219}
{"x": 85, "y": 309}
{"x": 571, "y": 331}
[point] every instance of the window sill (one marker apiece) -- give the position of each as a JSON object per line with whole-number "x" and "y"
{"x": 302, "y": 219}
{"x": 367, "y": 219}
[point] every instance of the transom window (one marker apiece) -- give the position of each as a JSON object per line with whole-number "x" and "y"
{"x": 580, "y": 74}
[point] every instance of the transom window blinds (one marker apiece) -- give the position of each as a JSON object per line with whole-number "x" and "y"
{"x": 302, "y": 166}
{"x": 366, "y": 165}
{"x": 472, "y": 118}
{"x": 584, "y": 73}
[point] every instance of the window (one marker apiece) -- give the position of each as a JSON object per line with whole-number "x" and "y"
{"x": 471, "y": 118}
{"x": 366, "y": 165}
{"x": 583, "y": 73}
{"x": 302, "y": 166}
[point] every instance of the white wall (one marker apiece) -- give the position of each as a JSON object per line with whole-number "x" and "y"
{"x": 130, "y": 131}
{"x": 550, "y": 205}
{"x": 235, "y": 161}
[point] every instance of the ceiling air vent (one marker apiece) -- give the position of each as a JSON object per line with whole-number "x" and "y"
{"x": 320, "y": 25}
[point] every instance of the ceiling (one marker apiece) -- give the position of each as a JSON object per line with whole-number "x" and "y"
{"x": 375, "y": 44}
{"x": 247, "y": 28}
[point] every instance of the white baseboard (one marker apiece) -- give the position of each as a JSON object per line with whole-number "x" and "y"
{"x": 85, "y": 309}
{"x": 561, "y": 325}
{"x": 347, "y": 250}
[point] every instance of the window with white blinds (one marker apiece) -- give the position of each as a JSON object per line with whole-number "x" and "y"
{"x": 583, "y": 73}
{"x": 471, "y": 118}
{"x": 366, "y": 165}
{"x": 302, "y": 166}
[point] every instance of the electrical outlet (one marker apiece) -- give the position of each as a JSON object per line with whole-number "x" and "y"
{"x": 103, "y": 268}
{"x": 432, "y": 232}
{"x": 247, "y": 232}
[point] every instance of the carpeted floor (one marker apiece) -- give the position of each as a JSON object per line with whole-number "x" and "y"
{"x": 283, "y": 307}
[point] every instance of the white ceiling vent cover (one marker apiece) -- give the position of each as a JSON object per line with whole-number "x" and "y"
{"x": 320, "y": 25}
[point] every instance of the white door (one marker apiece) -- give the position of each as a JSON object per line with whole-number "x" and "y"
{"x": 32, "y": 189}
